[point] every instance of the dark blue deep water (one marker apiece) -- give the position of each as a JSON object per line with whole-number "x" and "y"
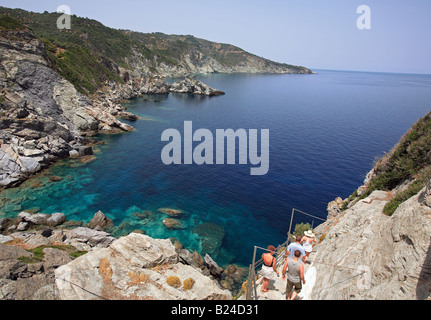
{"x": 325, "y": 132}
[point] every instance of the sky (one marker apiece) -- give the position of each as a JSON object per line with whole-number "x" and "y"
{"x": 318, "y": 34}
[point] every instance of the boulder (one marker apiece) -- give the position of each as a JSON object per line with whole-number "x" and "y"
{"x": 134, "y": 267}
{"x": 23, "y": 226}
{"x": 37, "y": 219}
{"x": 213, "y": 267}
{"x": 56, "y": 219}
{"x": 85, "y": 151}
{"x": 55, "y": 178}
{"x": 101, "y": 222}
{"x": 173, "y": 224}
{"x": 91, "y": 238}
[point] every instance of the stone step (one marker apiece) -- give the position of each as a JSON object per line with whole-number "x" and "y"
{"x": 277, "y": 287}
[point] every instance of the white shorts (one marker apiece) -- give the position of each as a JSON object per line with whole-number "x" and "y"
{"x": 308, "y": 248}
{"x": 268, "y": 272}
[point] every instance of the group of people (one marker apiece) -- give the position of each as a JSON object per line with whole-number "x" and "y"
{"x": 297, "y": 254}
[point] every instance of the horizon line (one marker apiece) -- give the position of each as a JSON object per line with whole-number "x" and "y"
{"x": 368, "y": 71}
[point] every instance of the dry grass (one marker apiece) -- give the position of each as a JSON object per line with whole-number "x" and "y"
{"x": 137, "y": 278}
{"x": 105, "y": 270}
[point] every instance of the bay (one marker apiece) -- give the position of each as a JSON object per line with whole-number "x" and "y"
{"x": 325, "y": 132}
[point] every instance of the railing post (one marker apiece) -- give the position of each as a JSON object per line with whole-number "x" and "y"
{"x": 251, "y": 282}
{"x": 291, "y": 223}
{"x": 249, "y": 285}
{"x": 253, "y": 273}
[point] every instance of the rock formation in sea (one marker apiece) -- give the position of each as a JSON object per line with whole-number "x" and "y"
{"x": 194, "y": 86}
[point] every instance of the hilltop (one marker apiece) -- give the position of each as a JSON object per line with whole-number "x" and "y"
{"x": 90, "y": 53}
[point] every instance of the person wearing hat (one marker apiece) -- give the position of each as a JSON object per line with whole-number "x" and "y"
{"x": 307, "y": 243}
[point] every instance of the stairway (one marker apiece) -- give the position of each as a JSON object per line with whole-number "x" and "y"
{"x": 277, "y": 287}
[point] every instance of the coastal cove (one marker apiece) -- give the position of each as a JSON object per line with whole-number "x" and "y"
{"x": 326, "y": 130}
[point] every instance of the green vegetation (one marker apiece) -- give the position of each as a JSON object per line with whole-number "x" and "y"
{"x": 9, "y": 23}
{"x": 78, "y": 65}
{"x": 38, "y": 254}
{"x": 300, "y": 228}
{"x": 90, "y": 53}
{"x": 87, "y": 55}
{"x": 77, "y": 254}
{"x": 409, "y": 160}
{"x": 412, "y": 190}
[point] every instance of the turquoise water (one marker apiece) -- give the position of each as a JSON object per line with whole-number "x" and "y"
{"x": 325, "y": 132}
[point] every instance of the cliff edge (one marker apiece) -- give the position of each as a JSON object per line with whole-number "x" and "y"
{"x": 377, "y": 243}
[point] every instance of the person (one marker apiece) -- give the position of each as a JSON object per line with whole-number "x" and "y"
{"x": 295, "y": 246}
{"x": 307, "y": 243}
{"x": 269, "y": 267}
{"x": 295, "y": 275}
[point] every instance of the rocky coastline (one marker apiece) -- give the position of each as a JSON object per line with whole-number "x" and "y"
{"x": 44, "y": 118}
{"x": 46, "y": 257}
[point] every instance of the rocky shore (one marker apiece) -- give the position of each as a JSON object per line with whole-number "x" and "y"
{"x": 46, "y": 257}
{"x": 43, "y": 117}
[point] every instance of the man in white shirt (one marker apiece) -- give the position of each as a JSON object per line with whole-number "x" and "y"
{"x": 295, "y": 246}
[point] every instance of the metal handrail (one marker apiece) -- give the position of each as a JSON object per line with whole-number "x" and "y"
{"x": 252, "y": 276}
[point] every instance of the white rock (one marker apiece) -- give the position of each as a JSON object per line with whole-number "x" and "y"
{"x": 134, "y": 267}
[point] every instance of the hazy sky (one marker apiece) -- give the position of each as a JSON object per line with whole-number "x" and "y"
{"x": 319, "y": 34}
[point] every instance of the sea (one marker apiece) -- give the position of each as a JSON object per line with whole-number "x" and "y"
{"x": 326, "y": 132}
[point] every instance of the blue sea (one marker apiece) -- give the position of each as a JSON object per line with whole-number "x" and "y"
{"x": 326, "y": 131}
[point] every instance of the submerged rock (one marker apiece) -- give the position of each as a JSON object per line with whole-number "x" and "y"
{"x": 172, "y": 212}
{"x": 211, "y": 237}
{"x": 173, "y": 224}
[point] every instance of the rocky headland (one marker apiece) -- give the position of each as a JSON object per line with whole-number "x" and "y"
{"x": 44, "y": 118}
{"x": 58, "y": 88}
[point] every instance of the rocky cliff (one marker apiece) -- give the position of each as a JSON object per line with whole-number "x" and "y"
{"x": 45, "y": 257}
{"x": 136, "y": 267}
{"x": 377, "y": 243}
{"x": 43, "y": 117}
{"x": 365, "y": 254}
{"x": 181, "y": 56}
{"x": 90, "y": 53}
{"x": 59, "y": 88}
